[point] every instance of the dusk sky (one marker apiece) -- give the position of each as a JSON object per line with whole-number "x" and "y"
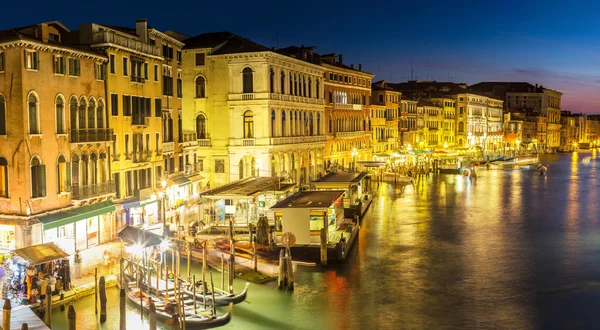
{"x": 551, "y": 43}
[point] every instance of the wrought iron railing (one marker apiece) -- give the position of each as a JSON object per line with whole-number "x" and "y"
{"x": 92, "y": 190}
{"x": 91, "y": 135}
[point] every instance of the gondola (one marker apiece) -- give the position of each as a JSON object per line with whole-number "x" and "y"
{"x": 222, "y": 298}
{"x": 165, "y": 311}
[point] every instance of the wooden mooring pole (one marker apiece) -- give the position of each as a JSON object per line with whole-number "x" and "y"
{"x": 102, "y": 287}
{"x": 255, "y": 256}
{"x": 194, "y": 291}
{"x": 214, "y": 303}
{"x": 24, "y": 326}
{"x": 175, "y": 322}
{"x": 290, "y": 270}
{"x": 122, "y": 310}
{"x": 280, "y": 278}
{"x": 96, "y": 289}
{"x": 47, "y": 307}
{"x": 222, "y": 272}
{"x": 189, "y": 260}
{"x": 323, "y": 246}
{"x": 204, "y": 272}
{"x": 152, "y": 316}
{"x": 71, "y": 317}
{"x": 6, "y": 310}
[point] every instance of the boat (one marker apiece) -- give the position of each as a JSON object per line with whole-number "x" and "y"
{"x": 517, "y": 161}
{"x": 396, "y": 177}
{"x": 222, "y": 298}
{"x": 164, "y": 310}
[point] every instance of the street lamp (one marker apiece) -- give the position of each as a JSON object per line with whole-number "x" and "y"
{"x": 354, "y": 154}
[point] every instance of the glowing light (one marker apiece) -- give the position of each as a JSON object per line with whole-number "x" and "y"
{"x": 135, "y": 250}
{"x": 164, "y": 245}
{"x": 161, "y": 194}
{"x": 163, "y": 183}
{"x": 445, "y": 145}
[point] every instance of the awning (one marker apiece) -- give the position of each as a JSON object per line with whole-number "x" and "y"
{"x": 66, "y": 217}
{"x": 42, "y": 253}
{"x": 180, "y": 180}
{"x": 129, "y": 203}
{"x": 137, "y": 236}
{"x": 195, "y": 178}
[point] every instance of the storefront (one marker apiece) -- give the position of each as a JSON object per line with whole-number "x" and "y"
{"x": 7, "y": 237}
{"x": 79, "y": 228}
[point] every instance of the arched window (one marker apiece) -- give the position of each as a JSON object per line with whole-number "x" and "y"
{"x": 63, "y": 175}
{"x": 73, "y": 112}
{"x": 248, "y": 125}
{"x": 295, "y": 84}
{"x": 273, "y": 122}
{"x": 318, "y": 124}
{"x": 91, "y": 113}
{"x": 34, "y": 122}
{"x": 330, "y": 125}
{"x": 3, "y": 177}
{"x": 247, "y": 81}
{"x": 93, "y": 168}
{"x": 282, "y": 90}
{"x": 84, "y": 178}
{"x": 310, "y": 123}
{"x": 272, "y": 81}
{"x": 283, "y": 132}
{"x": 291, "y": 86}
{"x": 102, "y": 168}
{"x": 304, "y": 86}
{"x": 309, "y": 87}
{"x": 461, "y": 126}
{"x": 82, "y": 109}
{"x": 201, "y": 126}
{"x": 60, "y": 115}
{"x": 75, "y": 172}
{"x": 38, "y": 178}
{"x": 317, "y": 94}
{"x": 100, "y": 114}
{"x": 2, "y": 115}
{"x": 200, "y": 87}
{"x": 241, "y": 169}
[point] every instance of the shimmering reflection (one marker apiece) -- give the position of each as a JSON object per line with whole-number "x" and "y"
{"x": 506, "y": 250}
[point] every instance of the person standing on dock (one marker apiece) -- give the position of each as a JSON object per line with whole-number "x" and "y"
{"x": 77, "y": 265}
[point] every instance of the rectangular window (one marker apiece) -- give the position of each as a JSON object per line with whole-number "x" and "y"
{"x": 99, "y": 71}
{"x": 157, "y": 108}
{"x": 137, "y": 74}
{"x": 59, "y": 66}
{"x": 199, "y": 59}
{"x": 128, "y": 184}
{"x": 38, "y": 181}
{"x": 146, "y": 70}
{"x": 1, "y": 61}
{"x": 155, "y": 72}
{"x": 157, "y": 143}
{"x": 179, "y": 89}
{"x": 178, "y": 56}
{"x": 53, "y": 37}
{"x": 114, "y": 104}
{"x": 125, "y": 67}
{"x": 74, "y": 67}
{"x": 126, "y": 105}
{"x": 112, "y": 63}
{"x": 31, "y": 60}
{"x": 127, "y": 155}
{"x": 115, "y": 148}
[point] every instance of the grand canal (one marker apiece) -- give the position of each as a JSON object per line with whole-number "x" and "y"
{"x": 507, "y": 250}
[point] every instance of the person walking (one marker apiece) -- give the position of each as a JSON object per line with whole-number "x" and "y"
{"x": 77, "y": 264}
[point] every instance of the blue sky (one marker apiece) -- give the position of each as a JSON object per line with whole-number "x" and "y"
{"x": 551, "y": 43}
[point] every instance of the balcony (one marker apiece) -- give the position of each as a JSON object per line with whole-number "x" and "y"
{"x": 168, "y": 147}
{"x": 91, "y": 135}
{"x": 141, "y": 157}
{"x": 140, "y": 120}
{"x": 112, "y": 37}
{"x": 377, "y": 121}
{"x": 347, "y": 135}
{"x": 298, "y": 139}
{"x": 345, "y": 106}
{"x": 92, "y": 190}
{"x": 274, "y": 96}
{"x": 140, "y": 80}
{"x": 204, "y": 143}
{"x": 188, "y": 140}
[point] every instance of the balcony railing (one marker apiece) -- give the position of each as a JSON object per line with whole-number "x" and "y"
{"x": 275, "y": 96}
{"x": 168, "y": 147}
{"x": 141, "y": 157}
{"x": 203, "y": 142}
{"x": 140, "y": 120}
{"x": 298, "y": 139}
{"x": 345, "y": 106}
{"x": 138, "y": 79}
{"x": 91, "y": 135}
{"x": 92, "y": 190}
{"x": 131, "y": 43}
{"x": 349, "y": 134}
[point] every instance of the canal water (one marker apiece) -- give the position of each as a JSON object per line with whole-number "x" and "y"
{"x": 506, "y": 250}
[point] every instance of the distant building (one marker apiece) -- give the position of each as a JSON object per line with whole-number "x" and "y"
{"x": 384, "y": 118}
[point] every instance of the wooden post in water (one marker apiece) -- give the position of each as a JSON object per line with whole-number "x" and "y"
{"x": 48, "y": 307}
{"x": 102, "y": 287}
{"x": 280, "y": 278}
{"x": 175, "y": 321}
{"x": 173, "y": 259}
{"x": 231, "y": 257}
{"x": 194, "y": 291}
{"x": 122, "y": 310}
{"x": 62, "y": 306}
{"x": 290, "y": 270}
{"x": 255, "y": 255}
{"x": 157, "y": 279}
{"x": 152, "y": 316}
{"x": 24, "y": 326}
{"x": 71, "y": 315}
{"x": 204, "y": 258}
{"x": 121, "y": 271}
{"x": 166, "y": 282}
{"x": 178, "y": 263}
{"x": 6, "y": 310}
{"x": 250, "y": 233}
{"x": 323, "y": 247}
{"x": 222, "y": 272}
{"x": 214, "y": 303}
{"x": 96, "y": 289}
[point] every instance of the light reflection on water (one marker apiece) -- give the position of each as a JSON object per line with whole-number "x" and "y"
{"x": 508, "y": 249}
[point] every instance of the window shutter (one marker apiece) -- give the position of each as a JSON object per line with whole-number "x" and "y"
{"x": 25, "y": 58}
{"x": 58, "y": 178}
{"x": 42, "y": 180}
{"x": 54, "y": 64}
{"x": 63, "y": 65}
{"x": 36, "y": 60}
{"x": 77, "y": 67}
{"x": 68, "y": 176}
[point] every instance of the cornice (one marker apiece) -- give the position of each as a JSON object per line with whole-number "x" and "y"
{"x": 156, "y": 33}
{"x": 126, "y": 50}
{"x": 51, "y": 48}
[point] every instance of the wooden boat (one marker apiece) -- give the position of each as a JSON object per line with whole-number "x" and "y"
{"x": 193, "y": 319}
{"x": 222, "y": 298}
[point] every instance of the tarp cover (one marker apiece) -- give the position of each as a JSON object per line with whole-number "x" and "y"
{"x": 141, "y": 237}
{"x": 41, "y": 253}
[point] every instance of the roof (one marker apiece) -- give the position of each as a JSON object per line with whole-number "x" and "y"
{"x": 138, "y": 236}
{"x": 310, "y": 199}
{"x": 426, "y": 103}
{"x": 225, "y": 42}
{"x": 177, "y": 35}
{"x": 349, "y": 177}
{"x": 248, "y": 187}
{"x": 41, "y": 253}
{"x": 427, "y": 89}
{"x": 315, "y": 58}
{"x": 123, "y": 29}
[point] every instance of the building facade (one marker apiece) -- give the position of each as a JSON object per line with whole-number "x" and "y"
{"x": 385, "y": 115}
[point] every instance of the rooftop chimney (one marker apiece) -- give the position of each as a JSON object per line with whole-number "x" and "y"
{"x": 341, "y": 57}
{"x": 351, "y": 66}
{"x": 359, "y": 67}
{"x": 141, "y": 28}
